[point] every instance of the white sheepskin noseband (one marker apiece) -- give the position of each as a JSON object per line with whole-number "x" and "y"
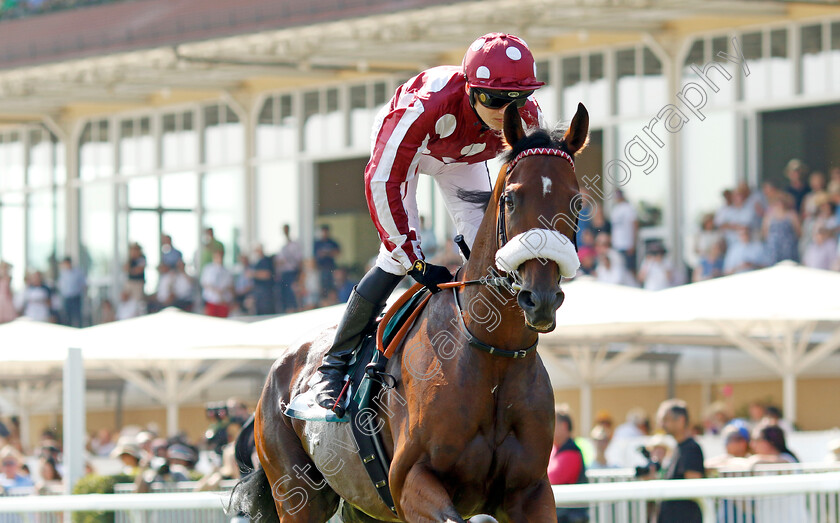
{"x": 542, "y": 244}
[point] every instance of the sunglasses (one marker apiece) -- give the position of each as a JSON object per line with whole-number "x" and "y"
{"x": 499, "y": 99}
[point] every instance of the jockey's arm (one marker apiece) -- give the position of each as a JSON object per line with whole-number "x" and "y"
{"x": 393, "y": 163}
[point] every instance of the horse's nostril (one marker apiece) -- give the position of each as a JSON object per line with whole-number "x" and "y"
{"x": 526, "y": 300}
{"x": 560, "y": 297}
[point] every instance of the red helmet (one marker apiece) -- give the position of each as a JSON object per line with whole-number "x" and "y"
{"x": 501, "y": 61}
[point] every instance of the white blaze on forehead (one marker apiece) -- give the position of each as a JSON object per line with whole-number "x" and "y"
{"x": 539, "y": 244}
{"x": 546, "y": 185}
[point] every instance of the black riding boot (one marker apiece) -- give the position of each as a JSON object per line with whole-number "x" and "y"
{"x": 366, "y": 302}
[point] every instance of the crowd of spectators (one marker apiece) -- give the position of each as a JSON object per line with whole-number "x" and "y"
{"x": 138, "y": 455}
{"x": 258, "y": 284}
{"x": 753, "y": 228}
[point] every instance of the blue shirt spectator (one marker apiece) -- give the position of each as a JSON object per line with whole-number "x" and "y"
{"x": 169, "y": 255}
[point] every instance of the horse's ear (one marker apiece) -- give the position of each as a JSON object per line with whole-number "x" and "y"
{"x": 577, "y": 136}
{"x": 513, "y": 125}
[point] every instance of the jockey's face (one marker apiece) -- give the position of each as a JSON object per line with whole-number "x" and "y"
{"x": 493, "y": 118}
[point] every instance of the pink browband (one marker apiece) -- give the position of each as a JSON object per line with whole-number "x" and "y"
{"x": 541, "y": 151}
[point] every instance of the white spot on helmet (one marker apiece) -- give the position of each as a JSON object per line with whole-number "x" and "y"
{"x": 482, "y": 72}
{"x": 535, "y": 69}
{"x": 478, "y": 44}
{"x": 470, "y": 150}
{"x": 445, "y": 125}
{"x": 513, "y": 53}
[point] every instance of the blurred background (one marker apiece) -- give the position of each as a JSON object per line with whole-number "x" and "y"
{"x": 140, "y": 137}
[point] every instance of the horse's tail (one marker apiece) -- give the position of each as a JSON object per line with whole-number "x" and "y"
{"x": 252, "y": 498}
{"x": 244, "y": 447}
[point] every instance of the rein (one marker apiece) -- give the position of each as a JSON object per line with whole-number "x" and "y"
{"x": 509, "y": 281}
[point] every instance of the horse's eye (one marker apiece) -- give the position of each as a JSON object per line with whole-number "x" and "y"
{"x": 578, "y": 203}
{"x": 509, "y": 201}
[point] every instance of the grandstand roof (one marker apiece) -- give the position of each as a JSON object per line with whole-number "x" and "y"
{"x": 130, "y": 53}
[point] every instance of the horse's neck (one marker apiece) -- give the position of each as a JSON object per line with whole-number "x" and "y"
{"x": 492, "y": 314}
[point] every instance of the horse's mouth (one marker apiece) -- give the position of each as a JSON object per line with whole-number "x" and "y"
{"x": 543, "y": 327}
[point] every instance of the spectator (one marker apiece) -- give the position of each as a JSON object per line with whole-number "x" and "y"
{"x": 182, "y": 288}
{"x": 834, "y": 184}
{"x": 217, "y": 287}
{"x": 736, "y": 440}
{"x": 243, "y": 285}
{"x": 733, "y": 217}
{"x": 102, "y": 444}
{"x": 633, "y": 426}
{"x": 36, "y": 299}
{"x": 624, "y": 226}
{"x": 128, "y": 306}
{"x": 826, "y": 217}
{"x": 686, "y": 463}
{"x": 10, "y": 472}
{"x": 744, "y": 255}
{"x": 795, "y": 172}
{"x": 343, "y": 285}
{"x": 710, "y": 265}
{"x": 610, "y": 267}
{"x": 756, "y": 410}
{"x": 169, "y": 255}
{"x": 287, "y": 265}
{"x": 325, "y": 251}
{"x": 773, "y": 416}
{"x": 822, "y": 252}
{"x": 769, "y": 446}
{"x": 601, "y": 440}
{"x": 566, "y": 467}
{"x": 164, "y": 297}
{"x": 429, "y": 239}
{"x": 181, "y": 459}
{"x": 656, "y": 272}
{"x": 7, "y": 304}
{"x": 717, "y": 417}
{"x": 708, "y": 237}
{"x": 310, "y": 284}
{"x": 209, "y": 245}
{"x": 50, "y": 477}
{"x": 263, "y": 276}
{"x": 129, "y": 453}
{"x": 816, "y": 184}
{"x": 659, "y": 448}
{"x": 72, "y": 284}
{"x": 136, "y": 270}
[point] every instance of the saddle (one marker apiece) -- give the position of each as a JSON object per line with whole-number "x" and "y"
{"x": 366, "y": 371}
{"x": 367, "y": 377}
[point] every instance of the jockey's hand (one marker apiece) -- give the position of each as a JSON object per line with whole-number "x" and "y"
{"x": 430, "y": 274}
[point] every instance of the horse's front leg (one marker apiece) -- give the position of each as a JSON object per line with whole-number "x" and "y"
{"x": 532, "y": 505}
{"x": 423, "y": 499}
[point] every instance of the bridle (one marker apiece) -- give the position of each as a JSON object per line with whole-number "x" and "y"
{"x": 511, "y": 280}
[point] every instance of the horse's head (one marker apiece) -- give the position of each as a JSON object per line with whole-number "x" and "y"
{"x": 537, "y": 214}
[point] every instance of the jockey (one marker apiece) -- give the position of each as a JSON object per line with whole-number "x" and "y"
{"x": 445, "y": 122}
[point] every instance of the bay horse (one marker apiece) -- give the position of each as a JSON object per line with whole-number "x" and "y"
{"x": 468, "y": 431}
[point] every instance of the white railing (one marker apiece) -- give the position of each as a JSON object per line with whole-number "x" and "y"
{"x": 805, "y": 498}
{"x": 800, "y": 498}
